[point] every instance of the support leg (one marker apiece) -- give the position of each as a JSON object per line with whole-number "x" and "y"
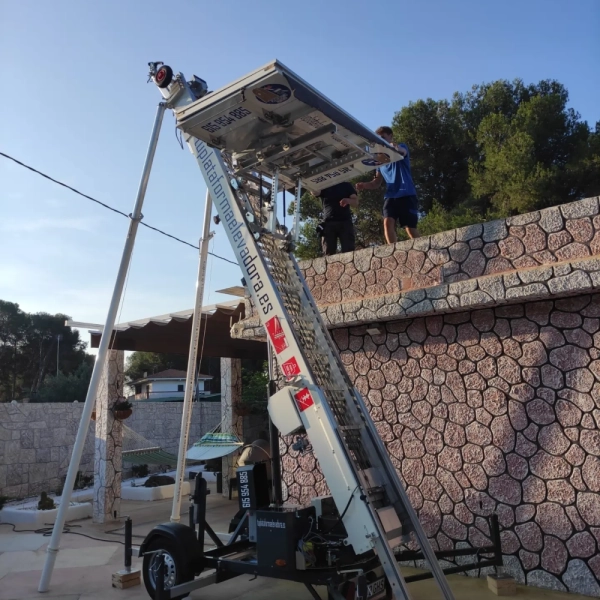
{"x": 272, "y": 222}
{"x": 277, "y": 495}
{"x": 296, "y": 232}
{"x": 109, "y": 325}
{"x": 186, "y": 415}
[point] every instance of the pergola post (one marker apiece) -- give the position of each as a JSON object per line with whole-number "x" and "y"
{"x": 109, "y": 441}
{"x": 231, "y": 394}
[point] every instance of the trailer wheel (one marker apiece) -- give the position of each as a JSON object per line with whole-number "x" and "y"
{"x": 178, "y": 569}
{"x": 164, "y": 76}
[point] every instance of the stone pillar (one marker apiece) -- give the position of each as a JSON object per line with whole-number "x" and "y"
{"x": 231, "y": 393}
{"x": 109, "y": 441}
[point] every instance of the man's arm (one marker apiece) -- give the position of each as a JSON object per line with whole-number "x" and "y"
{"x": 352, "y": 200}
{"x": 370, "y": 185}
{"x": 402, "y": 148}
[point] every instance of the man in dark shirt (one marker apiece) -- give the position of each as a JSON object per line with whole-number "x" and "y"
{"x": 337, "y": 218}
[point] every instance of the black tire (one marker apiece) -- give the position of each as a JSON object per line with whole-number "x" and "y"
{"x": 164, "y": 76}
{"x": 179, "y": 569}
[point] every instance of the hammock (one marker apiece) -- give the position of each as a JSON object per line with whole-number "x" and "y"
{"x": 214, "y": 445}
{"x": 138, "y": 450}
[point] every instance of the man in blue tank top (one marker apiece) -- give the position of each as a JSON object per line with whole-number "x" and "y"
{"x": 400, "y": 206}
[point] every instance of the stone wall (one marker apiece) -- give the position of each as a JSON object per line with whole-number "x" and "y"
{"x": 490, "y": 411}
{"x": 484, "y": 382}
{"x": 160, "y": 422}
{"x": 546, "y": 237}
{"x": 36, "y": 440}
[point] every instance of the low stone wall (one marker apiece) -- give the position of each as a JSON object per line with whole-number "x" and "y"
{"x": 36, "y": 440}
{"x": 545, "y": 237}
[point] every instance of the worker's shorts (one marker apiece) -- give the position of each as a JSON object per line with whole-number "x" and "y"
{"x": 405, "y": 210}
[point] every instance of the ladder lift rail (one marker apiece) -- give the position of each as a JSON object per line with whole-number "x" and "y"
{"x": 357, "y": 468}
{"x": 353, "y": 422}
{"x": 365, "y": 531}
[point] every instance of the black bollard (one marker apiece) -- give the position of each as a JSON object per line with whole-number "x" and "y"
{"x": 128, "y": 544}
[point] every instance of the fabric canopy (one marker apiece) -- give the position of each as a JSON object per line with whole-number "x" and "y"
{"x": 214, "y": 445}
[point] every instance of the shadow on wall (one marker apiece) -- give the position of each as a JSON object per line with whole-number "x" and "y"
{"x": 493, "y": 410}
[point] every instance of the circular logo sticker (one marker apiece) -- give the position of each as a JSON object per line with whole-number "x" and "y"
{"x": 272, "y": 93}
{"x": 381, "y": 160}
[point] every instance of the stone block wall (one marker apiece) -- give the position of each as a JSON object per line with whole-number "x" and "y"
{"x": 36, "y": 440}
{"x": 490, "y": 411}
{"x": 160, "y": 422}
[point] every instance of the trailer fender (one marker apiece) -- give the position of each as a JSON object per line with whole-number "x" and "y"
{"x": 183, "y": 535}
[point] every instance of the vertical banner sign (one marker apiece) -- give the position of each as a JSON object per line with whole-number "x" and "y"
{"x": 304, "y": 399}
{"x": 244, "y": 489}
{"x": 276, "y": 334}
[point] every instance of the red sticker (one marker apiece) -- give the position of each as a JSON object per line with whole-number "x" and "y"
{"x": 290, "y": 367}
{"x": 276, "y": 334}
{"x": 303, "y": 399}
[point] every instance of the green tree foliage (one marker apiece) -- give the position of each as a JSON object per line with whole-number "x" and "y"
{"x": 500, "y": 149}
{"x": 139, "y": 363}
{"x": 28, "y": 350}
{"x": 66, "y": 388}
{"x": 255, "y": 379}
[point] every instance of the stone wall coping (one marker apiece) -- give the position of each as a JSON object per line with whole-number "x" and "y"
{"x": 556, "y": 234}
{"x": 525, "y": 285}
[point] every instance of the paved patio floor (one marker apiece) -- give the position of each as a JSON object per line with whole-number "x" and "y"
{"x": 84, "y": 566}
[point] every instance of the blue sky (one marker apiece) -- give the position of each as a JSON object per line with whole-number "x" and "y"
{"x": 75, "y": 104}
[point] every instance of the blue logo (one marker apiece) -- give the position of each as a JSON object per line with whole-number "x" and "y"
{"x": 272, "y": 93}
{"x": 383, "y": 158}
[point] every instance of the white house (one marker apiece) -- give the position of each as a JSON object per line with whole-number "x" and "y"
{"x": 169, "y": 384}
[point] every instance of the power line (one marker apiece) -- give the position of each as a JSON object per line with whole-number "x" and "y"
{"x": 115, "y": 210}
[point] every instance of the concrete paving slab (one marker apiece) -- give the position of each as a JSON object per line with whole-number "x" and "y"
{"x": 16, "y": 542}
{"x": 22, "y": 562}
{"x": 51, "y": 597}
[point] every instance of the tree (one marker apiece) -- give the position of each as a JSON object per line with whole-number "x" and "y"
{"x": 139, "y": 363}
{"x": 499, "y": 149}
{"x": 439, "y": 151}
{"x": 29, "y": 347}
{"x": 255, "y": 379}
{"x": 66, "y": 388}
{"x": 540, "y": 155}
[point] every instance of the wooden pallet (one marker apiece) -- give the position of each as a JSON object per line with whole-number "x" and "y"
{"x": 124, "y": 580}
{"x": 502, "y": 585}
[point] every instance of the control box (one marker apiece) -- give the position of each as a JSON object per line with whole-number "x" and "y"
{"x": 277, "y": 536}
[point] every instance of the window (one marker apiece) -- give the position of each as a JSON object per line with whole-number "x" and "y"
{"x": 138, "y": 388}
{"x": 180, "y": 388}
